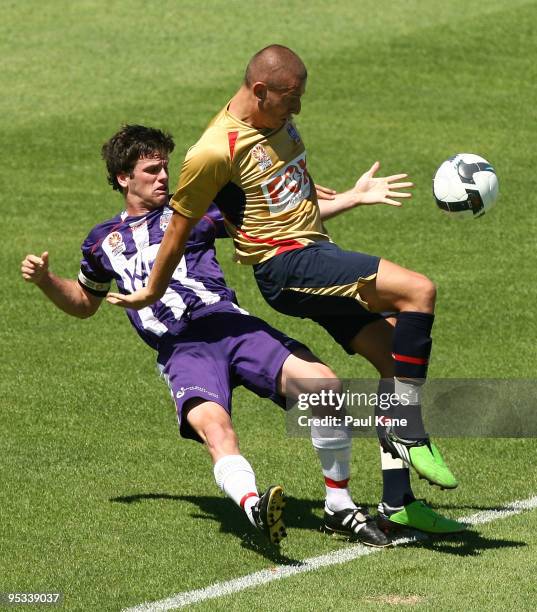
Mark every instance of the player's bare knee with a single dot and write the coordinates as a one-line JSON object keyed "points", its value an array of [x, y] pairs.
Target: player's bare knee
{"points": [[220, 438], [320, 392], [304, 373], [427, 292], [322, 378], [325, 373], [422, 294]]}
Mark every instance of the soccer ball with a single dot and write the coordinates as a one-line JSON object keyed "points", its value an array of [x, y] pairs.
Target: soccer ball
{"points": [[465, 186]]}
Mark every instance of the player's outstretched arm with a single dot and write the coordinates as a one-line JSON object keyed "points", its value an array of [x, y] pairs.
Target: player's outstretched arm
{"points": [[368, 190], [324, 193], [64, 293], [168, 257]]}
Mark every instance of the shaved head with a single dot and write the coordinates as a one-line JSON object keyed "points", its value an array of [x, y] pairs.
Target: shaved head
{"points": [[271, 92], [275, 65]]}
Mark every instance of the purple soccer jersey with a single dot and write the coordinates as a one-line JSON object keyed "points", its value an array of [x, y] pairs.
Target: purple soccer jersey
{"points": [[124, 249], [206, 344]]}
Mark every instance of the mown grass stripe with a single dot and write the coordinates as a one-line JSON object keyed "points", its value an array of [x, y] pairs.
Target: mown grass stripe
{"points": [[337, 557]]}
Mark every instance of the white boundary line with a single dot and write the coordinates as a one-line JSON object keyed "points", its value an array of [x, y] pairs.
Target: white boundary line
{"points": [[336, 557]]}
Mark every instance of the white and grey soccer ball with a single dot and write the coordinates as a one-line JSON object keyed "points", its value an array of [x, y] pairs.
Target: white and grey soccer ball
{"points": [[465, 186]]}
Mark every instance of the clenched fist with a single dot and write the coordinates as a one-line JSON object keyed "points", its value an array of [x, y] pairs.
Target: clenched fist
{"points": [[35, 269]]}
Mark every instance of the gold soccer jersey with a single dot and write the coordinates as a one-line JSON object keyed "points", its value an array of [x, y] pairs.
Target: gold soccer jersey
{"points": [[260, 182]]}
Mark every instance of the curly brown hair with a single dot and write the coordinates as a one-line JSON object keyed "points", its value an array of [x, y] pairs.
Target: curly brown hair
{"points": [[131, 143]]}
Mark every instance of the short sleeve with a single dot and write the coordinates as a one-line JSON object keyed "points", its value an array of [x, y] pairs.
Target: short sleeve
{"points": [[206, 170], [92, 276]]}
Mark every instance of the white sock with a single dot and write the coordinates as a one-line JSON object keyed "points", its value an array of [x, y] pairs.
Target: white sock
{"points": [[335, 456], [235, 476], [338, 499]]}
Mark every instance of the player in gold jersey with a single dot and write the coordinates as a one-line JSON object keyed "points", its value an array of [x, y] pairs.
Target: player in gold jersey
{"points": [[251, 161], [260, 182]]}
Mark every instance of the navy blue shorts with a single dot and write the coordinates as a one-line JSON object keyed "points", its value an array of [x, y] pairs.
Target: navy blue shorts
{"points": [[321, 282]]}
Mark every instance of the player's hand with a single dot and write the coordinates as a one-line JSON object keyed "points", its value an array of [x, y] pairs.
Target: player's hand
{"points": [[137, 300], [34, 269], [323, 193], [381, 190]]}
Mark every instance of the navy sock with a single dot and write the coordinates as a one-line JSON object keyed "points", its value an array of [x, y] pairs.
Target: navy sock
{"points": [[412, 344], [396, 489], [408, 422], [400, 412]]}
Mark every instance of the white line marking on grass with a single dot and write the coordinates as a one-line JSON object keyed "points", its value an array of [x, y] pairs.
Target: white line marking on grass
{"points": [[337, 557], [516, 507]]}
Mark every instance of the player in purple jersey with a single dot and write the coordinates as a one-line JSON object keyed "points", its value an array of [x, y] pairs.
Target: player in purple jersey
{"points": [[206, 345]]}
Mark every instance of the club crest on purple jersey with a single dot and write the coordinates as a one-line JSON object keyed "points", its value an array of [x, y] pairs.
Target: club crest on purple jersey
{"points": [[115, 240]]}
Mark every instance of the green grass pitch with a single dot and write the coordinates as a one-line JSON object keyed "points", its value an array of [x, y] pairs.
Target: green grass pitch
{"points": [[100, 499]]}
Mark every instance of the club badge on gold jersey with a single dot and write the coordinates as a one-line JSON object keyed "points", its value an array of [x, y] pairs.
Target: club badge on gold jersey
{"points": [[259, 153]]}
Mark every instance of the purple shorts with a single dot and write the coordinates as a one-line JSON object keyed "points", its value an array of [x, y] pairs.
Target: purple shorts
{"points": [[219, 352]]}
